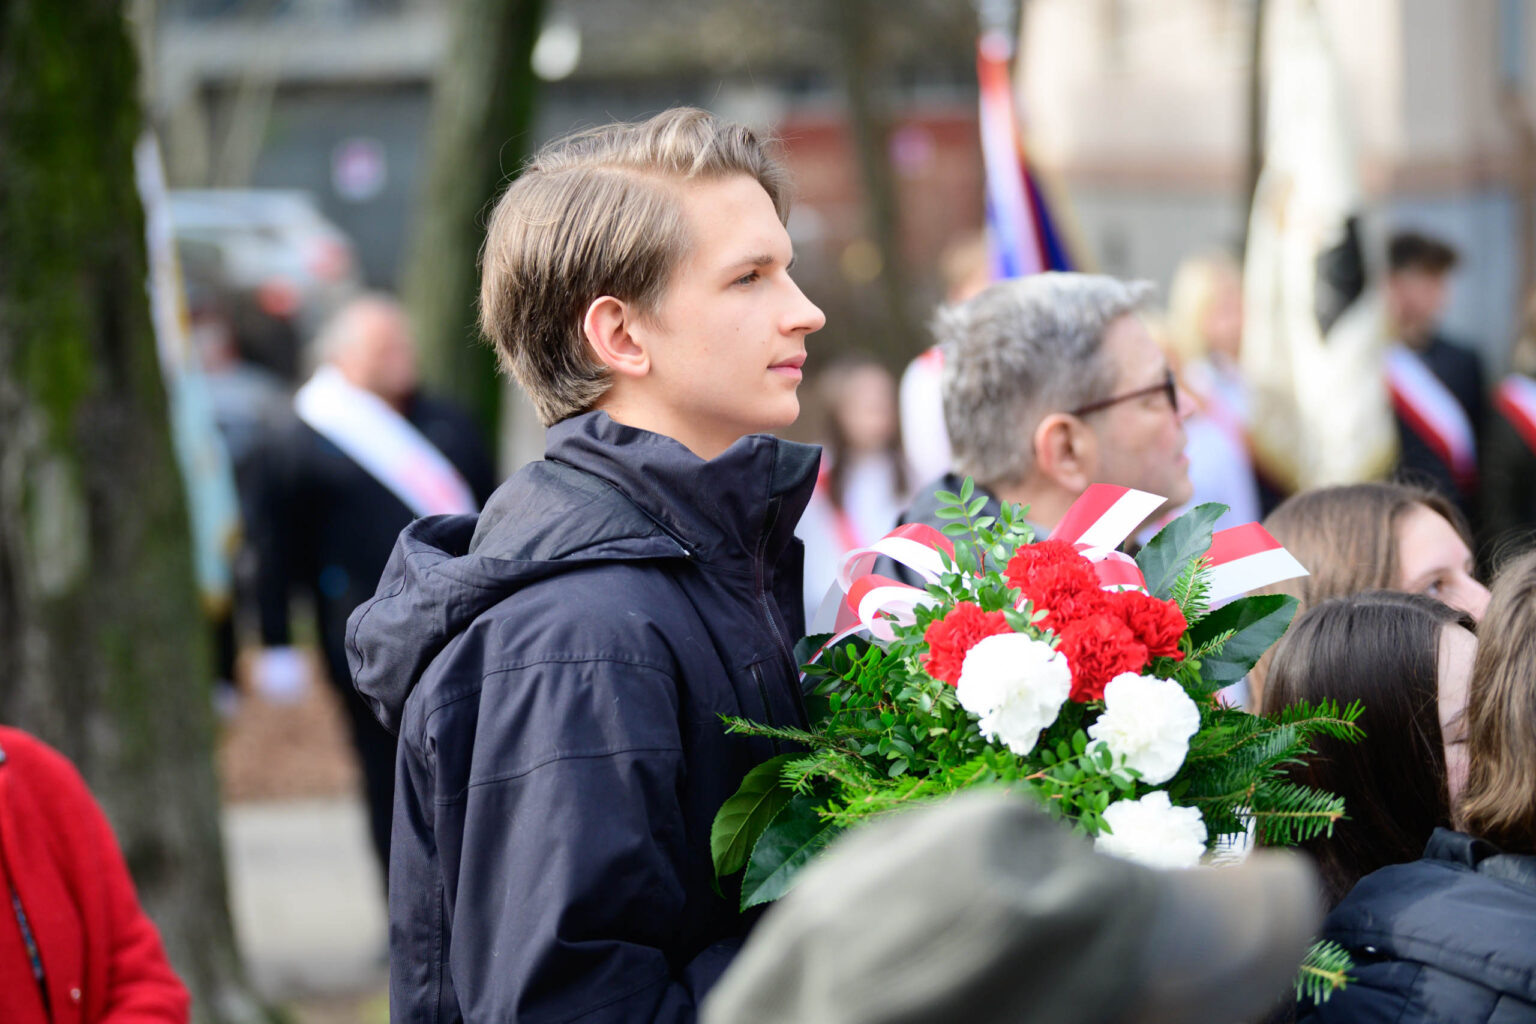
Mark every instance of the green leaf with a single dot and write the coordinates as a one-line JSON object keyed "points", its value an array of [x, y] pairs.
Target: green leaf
{"points": [[1175, 546], [744, 816], [947, 497], [794, 837], [1255, 623], [967, 489], [974, 509], [807, 646]]}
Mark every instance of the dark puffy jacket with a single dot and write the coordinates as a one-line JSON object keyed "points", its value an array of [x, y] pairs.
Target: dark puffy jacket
{"points": [[557, 671], [1448, 938]]}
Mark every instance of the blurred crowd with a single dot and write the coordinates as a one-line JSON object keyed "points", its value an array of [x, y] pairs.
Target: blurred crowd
{"points": [[1034, 389]]}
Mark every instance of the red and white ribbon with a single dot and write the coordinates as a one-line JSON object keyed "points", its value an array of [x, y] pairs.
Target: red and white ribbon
{"points": [[915, 545], [1245, 558], [1515, 398], [1104, 515], [1242, 559], [1432, 412], [1116, 570]]}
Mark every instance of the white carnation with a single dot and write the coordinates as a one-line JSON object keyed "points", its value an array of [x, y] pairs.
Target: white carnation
{"points": [[1015, 685], [1153, 832], [1148, 723]]}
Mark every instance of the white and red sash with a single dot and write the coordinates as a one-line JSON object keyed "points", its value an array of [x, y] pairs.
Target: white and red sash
{"points": [[1515, 398], [1432, 412], [384, 443], [1241, 559]]}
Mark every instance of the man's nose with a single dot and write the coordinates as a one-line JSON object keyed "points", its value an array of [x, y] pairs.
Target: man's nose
{"points": [[805, 317]]}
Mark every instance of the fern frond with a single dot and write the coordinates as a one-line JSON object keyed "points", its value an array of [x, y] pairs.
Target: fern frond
{"points": [[1213, 646], [1324, 971], [1192, 589], [1287, 813]]}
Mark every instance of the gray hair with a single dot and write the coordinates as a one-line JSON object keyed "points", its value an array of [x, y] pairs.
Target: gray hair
{"points": [[343, 327], [1019, 351]]}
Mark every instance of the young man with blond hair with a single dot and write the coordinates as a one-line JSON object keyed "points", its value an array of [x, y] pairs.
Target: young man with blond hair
{"points": [[558, 666]]}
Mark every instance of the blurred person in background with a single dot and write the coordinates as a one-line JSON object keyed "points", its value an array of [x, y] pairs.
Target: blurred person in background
{"points": [[1051, 383], [1376, 536], [966, 269], [1509, 450], [363, 455], [249, 403], [863, 482], [1204, 333], [1451, 936], [981, 909], [1437, 384], [75, 946], [1407, 658]]}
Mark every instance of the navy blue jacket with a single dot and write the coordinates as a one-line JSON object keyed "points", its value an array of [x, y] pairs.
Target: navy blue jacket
{"points": [[557, 669], [1450, 937]]}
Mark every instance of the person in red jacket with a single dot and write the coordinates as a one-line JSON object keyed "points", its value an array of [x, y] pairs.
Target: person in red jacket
{"points": [[75, 946]]}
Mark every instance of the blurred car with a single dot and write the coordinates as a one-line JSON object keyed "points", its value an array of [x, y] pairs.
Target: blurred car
{"points": [[269, 261]]}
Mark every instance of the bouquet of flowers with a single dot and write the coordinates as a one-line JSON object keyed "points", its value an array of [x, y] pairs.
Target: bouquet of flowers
{"points": [[1062, 669]]}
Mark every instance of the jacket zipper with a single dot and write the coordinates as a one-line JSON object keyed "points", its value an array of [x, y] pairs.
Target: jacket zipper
{"points": [[762, 693], [766, 601], [760, 568]]}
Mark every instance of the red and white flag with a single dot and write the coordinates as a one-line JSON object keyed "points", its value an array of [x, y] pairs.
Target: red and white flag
{"points": [[1245, 558]]}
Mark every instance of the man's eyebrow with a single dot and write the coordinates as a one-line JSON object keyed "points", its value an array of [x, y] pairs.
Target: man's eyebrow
{"points": [[762, 259]]}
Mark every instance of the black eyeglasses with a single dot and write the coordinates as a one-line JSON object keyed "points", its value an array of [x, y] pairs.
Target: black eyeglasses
{"points": [[1169, 387]]}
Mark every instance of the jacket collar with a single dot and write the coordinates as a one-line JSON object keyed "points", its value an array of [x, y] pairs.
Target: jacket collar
{"points": [[729, 510], [1480, 856]]}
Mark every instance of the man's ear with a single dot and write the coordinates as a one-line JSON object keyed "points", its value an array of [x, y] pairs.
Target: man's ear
{"points": [[1066, 451], [609, 327]]}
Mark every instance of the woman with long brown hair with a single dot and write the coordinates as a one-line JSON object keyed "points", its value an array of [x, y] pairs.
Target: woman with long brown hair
{"points": [[1377, 536], [1405, 658], [1452, 936]]}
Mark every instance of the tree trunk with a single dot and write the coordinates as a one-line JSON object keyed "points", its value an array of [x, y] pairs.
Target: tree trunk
{"points": [[482, 121], [856, 24], [102, 644]]}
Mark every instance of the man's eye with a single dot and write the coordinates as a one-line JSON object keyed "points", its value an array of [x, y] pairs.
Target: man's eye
{"points": [[748, 278], [1435, 587]]}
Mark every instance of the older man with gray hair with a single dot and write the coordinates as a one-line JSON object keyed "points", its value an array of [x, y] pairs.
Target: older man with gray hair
{"points": [[1052, 383]]}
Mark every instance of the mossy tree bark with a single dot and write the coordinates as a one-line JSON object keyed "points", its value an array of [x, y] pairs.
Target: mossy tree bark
{"points": [[482, 119], [101, 638], [857, 26]]}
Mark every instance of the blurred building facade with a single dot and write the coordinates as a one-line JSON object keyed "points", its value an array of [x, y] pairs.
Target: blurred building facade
{"points": [[334, 97], [1140, 107]]}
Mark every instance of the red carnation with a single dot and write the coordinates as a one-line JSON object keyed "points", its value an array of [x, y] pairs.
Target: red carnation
{"points": [[1031, 558], [1099, 647], [1065, 592], [1056, 579], [1156, 623], [949, 639]]}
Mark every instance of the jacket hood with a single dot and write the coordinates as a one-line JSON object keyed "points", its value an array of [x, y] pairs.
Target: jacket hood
{"points": [[605, 493]]}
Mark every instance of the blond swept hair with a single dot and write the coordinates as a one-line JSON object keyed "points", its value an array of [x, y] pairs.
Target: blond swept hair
{"points": [[1498, 802], [600, 213]]}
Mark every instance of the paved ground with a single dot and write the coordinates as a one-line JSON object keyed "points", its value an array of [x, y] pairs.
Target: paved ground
{"points": [[307, 899], [306, 894]]}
